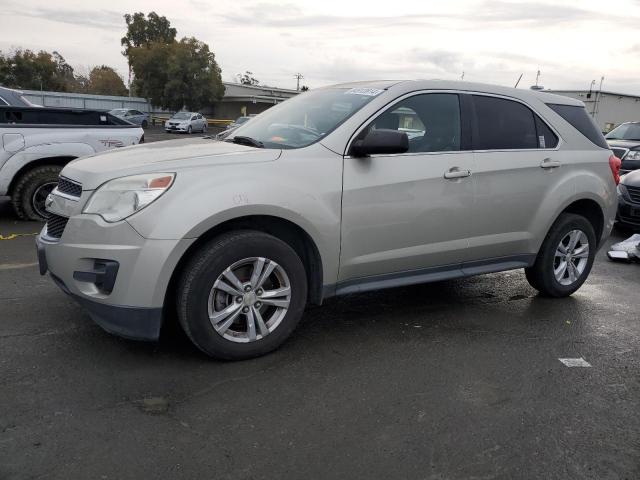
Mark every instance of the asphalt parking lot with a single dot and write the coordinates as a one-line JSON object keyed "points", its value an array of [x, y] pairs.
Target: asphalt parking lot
{"points": [[459, 379]]}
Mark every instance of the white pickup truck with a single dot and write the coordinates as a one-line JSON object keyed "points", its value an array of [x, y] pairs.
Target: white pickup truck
{"points": [[35, 143]]}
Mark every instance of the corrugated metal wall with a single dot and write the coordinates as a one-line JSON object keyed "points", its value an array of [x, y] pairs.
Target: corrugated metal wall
{"points": [[81, 100]]}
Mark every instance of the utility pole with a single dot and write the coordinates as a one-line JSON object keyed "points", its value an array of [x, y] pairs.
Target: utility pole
{"points": [[298, 77], [462, 76]]}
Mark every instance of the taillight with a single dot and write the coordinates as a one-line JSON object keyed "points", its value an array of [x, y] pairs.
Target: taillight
{"points": [[615, 163]]}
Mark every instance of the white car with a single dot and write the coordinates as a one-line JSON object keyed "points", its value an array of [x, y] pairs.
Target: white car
{"points": [[186, 122]]}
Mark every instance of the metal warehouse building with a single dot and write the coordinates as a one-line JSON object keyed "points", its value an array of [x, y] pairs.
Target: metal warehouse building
{"points": [[609, 109], [238, 100]]}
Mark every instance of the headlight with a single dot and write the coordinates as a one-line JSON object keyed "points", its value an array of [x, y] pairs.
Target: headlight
{"points": [[622, 190], [633, 155], [122, 197]]}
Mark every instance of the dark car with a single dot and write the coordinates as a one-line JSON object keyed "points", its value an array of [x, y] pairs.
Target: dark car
{"points": [[624, 141], [629, 200], [14, 98]]}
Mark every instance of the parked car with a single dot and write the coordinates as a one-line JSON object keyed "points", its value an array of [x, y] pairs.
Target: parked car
{"points": [[38, 142], [232, 126], [186, 122], [324, 195], [624, 141], [14, 98], [629, 200], [134, 116]]}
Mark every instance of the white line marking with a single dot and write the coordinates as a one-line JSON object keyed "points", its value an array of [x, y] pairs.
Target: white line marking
{"points": [[13, 266], [575, 362]]}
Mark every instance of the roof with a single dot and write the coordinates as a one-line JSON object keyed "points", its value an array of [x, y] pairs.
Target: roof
{"points": [[604, 92], [406, 86]]}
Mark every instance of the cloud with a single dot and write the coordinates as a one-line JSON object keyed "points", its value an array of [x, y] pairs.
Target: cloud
{"points": [[494, 12], [105, 19]]}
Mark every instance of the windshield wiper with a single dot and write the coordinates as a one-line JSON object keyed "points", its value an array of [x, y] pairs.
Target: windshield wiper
{"points": [[252, 142]]}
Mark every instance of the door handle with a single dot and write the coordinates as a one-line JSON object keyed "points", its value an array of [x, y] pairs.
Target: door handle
{"points": [[548, 163], [455, 172]]}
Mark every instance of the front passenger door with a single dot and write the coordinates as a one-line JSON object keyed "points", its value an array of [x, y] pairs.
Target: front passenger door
{"points": [[399, 212]]}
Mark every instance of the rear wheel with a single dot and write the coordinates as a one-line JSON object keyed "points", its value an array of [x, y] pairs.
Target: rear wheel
{"points": [[241, 295], [145, 124], [31, 191], [565, 258]]}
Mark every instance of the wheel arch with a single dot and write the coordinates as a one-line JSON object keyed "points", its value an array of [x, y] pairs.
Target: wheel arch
{"points": [[60, 161], [286, 230]]}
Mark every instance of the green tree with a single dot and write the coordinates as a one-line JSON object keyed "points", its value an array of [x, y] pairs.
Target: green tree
{"points": [[104, 80], [42, 70], [247, 78], [177, 75], [144, 32], [194, 78]]}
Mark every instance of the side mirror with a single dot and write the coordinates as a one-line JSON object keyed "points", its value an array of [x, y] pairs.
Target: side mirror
{"points": [[382, 142]]}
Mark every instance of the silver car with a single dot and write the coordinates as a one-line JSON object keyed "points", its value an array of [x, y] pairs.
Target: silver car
{"points": [[326, 194], [186, 122], [133, 116]]}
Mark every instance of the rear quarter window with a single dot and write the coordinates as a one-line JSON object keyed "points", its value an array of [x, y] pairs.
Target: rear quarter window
{"points": [[580, 120]]}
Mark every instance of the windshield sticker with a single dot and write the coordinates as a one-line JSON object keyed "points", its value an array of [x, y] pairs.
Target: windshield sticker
{"points": [[370, 92]]}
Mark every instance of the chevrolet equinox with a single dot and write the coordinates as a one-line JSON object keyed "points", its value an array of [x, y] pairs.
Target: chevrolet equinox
{"points": [[338, 190]]}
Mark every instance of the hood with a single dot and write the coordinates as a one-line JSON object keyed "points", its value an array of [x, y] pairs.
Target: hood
{"points": [[632, 179], [167, 156], [624, 143]]}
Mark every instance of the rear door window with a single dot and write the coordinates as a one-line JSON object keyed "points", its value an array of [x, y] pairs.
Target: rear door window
{"points": [[578, 117], [503, 125]]}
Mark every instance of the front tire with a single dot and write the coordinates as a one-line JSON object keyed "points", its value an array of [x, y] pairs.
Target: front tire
{"points": [[565, 258], [31, 191], [189, 130], [241, 295]]}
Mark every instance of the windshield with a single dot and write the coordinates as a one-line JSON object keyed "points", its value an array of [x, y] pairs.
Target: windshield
{"points": [[241, 120], [626, 131], [118, 112], [182, 116], [305, 118]]}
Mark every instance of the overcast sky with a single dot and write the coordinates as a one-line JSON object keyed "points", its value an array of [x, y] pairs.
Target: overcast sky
{"points": [[330, 41]]}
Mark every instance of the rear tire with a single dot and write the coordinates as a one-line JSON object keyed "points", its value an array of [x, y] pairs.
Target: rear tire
{"points": [[560, 268], [31, 189], [145, 124], [205, 293]]}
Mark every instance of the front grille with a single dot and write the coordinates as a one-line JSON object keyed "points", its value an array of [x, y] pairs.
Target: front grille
{"points": [[619, 152], [634, 194], [56, 225], [69, 187]]}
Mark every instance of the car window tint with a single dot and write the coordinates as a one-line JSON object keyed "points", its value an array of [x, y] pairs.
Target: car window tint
{"points": [[578, 117], [3, 101], [431, 121], [546, 137], [503, 124]]}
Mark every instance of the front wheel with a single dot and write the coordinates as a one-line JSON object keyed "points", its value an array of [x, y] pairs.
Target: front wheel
{"points": [[565, 258], [241, 295], [189, 130], [31, 191]]}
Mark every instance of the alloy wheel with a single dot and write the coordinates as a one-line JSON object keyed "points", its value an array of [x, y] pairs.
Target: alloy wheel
{"points": [[571, 257], [40, 196], [249, 299]]}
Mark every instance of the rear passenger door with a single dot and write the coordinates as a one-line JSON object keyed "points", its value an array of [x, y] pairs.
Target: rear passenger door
{"points": [[516, 165]]}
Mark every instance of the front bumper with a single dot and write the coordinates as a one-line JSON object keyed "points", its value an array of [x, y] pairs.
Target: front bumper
{"points": [[120, 277], [628, 213]]}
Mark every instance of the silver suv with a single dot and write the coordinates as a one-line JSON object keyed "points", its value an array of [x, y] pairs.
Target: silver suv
{"points": [[341, 189]]}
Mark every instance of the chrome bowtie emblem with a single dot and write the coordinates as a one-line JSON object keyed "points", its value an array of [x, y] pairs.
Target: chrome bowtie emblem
{"points": [[49, 201]]}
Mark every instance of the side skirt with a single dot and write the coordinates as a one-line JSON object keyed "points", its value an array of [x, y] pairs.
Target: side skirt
{"points": [[427, 275]]}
